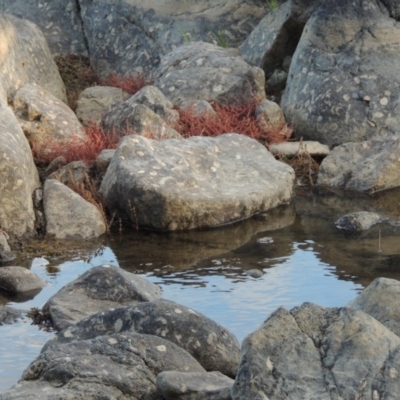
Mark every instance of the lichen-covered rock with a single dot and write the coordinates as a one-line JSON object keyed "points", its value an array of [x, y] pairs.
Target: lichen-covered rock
{"points": [[45, 118], [68, 215], [343, 80], [135, 33], [175, 385], [59, 20], [19, 280], [194, 183], [316, 353], [25, 58], [209, 343], [369, 166], [359, 221], [98, 289], [203, 71], [18, 177], [120, 366], [93, 101]]}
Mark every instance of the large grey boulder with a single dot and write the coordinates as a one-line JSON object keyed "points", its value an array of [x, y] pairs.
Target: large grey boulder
{"points": [[44, 118], [59, 20], [194, 183], [316, 353], [98, 289], [343, 80], [19, 280], [204, 71], [18, 177], [380, 300], [25, 58], [369, 166], [120, 366], [68, 215], [126, 37], [209, 343], [174, 385]]}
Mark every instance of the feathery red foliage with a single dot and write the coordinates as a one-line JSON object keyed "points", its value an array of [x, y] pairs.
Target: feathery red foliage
{"points": [[229, 119], [129, 84], [76, 148]]}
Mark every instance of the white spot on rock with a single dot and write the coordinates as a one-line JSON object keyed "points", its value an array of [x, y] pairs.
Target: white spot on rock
{"points": [[178, 311], [112, 341], [384, 101], [161, 348]]}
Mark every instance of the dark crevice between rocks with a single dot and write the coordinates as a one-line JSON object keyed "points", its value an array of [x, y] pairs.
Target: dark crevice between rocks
{"points": [[79, 13], [393, 7]]}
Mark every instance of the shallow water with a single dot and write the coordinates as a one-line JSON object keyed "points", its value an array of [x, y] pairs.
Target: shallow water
{"points": [[302, 254]]}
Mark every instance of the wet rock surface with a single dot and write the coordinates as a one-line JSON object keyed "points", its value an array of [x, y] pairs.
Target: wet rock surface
{"points": [[359, 221], [9, 315], [19, 279], [98, 289]]}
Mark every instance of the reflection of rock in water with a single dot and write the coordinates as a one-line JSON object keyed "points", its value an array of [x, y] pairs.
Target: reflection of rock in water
{"points": [[185, 249]]}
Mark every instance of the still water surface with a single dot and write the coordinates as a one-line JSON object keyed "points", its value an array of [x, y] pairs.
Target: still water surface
{"points": [[303, 255]]}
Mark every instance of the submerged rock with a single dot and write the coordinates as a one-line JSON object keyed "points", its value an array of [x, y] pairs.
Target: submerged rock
{"points": [[359, 221], [194, 183], [98, 289]]}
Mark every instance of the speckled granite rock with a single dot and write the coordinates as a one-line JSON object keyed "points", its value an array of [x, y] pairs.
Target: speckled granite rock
{"points": [[203, 71], [25, 58], [343, 83], [209, 343], [98, 289], [120, 366], [194, 183]]}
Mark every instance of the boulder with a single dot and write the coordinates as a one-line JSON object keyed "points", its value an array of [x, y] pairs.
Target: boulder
{"points": [[68, 215], [63, 35], [343, 80], [120, 366], [75, 172], [18, 177], [270, 118], [9, 315], [133, 118], [198, 109], [380, 300], [204, 71], [44, 118], [290, 149], [133, 35], [359, 221], [174, 385], [316, 353], [194, 183], [103, 160], [209, 343], [6, 254], [19, 280], [369, 166], [93, 101], [98, 289], [25, 58]]}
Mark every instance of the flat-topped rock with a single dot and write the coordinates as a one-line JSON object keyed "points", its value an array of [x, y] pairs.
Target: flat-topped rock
{"points": [[19, 279], [194, 183]]}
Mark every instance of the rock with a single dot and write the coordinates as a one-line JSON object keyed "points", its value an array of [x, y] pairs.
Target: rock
{"points": [[317, 353], [270, 118], [194, 183], [359, 221], [175, 385], [369, 166], [74, 172], [120, 366], [339, 90], [136, 119], [18, 177], [9, 315], [254, 273], [68, 215], [103, 160], [379, 300], [25, 58], [93, 101], [209, 343], [276, 36], [135, 33], [290, 149], [98, 289], [19, 279], [198, 108], [44, 118], [63, 35], [55, 165], [6, 254], [203, 71]]}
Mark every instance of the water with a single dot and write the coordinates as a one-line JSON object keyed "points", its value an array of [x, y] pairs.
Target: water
{"points": [[301, 253]]}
